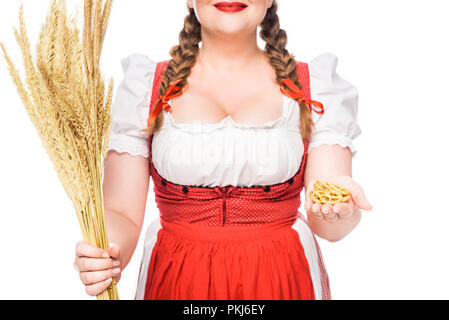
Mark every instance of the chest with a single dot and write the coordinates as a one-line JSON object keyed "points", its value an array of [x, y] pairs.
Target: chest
{"points": [[249, 99], [229, 153], [249, 133]]}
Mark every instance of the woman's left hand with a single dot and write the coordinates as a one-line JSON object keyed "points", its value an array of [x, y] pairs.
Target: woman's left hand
{"points": [[334, 212]]}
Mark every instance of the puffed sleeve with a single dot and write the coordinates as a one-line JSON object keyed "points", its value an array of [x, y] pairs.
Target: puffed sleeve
{"points": [[338, 124], [130, 109]]}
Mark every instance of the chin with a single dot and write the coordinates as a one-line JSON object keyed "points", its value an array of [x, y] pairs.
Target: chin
{"points": [[230, 31], [230, 27]]}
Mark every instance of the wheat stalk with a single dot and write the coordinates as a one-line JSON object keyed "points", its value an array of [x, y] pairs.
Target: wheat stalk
{"points": [[64, 95]]}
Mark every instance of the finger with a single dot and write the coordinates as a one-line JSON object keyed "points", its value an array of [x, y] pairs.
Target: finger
{"points": [[344, 210], [85, 249], [97, 288], [114, 250], [359, 198], [117, 278], [92, 277], [89, 264], [316, 210], [309, 201], [328, 213]]}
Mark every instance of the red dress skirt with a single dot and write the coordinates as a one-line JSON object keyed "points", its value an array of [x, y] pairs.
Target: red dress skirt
{"points": [[257, 262], [230, 243]]}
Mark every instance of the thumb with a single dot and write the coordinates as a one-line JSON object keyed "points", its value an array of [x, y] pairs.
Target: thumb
{"points": [[359, 198], [308, 202], [114, 250]]}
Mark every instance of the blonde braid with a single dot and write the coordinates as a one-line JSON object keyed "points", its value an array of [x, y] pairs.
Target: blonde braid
{"points": [[283, 62], [183, 59]]}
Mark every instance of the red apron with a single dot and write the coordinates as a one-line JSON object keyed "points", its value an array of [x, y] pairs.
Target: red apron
{"points": [[230, 243]]}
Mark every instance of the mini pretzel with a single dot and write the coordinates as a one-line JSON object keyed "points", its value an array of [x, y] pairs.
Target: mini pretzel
{"points": [[328, 193]]}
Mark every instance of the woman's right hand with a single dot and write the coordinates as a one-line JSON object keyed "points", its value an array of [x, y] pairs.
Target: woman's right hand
{"points": [[97, 267]]}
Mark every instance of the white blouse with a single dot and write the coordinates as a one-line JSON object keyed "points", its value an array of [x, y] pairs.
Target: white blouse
{"points": [[228, 152]]}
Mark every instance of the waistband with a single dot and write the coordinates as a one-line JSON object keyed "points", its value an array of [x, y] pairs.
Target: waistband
{"points": [[224, 233]]}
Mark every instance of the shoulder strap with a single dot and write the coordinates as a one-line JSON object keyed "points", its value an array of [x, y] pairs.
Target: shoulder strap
{"points": [[160, 68], [301, 67]]}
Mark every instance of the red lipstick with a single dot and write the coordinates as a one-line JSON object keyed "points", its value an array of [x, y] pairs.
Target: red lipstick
{"points": [[230, 6]]}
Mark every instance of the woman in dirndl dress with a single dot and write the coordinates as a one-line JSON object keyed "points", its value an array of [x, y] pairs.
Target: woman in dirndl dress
{"points": [[230, 135]]}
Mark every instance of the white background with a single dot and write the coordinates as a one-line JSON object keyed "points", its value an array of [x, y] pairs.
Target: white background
{"points": [[395, 52]]}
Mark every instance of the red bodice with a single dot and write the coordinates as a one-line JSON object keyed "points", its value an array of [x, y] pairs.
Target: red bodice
{"points": [[229, 205]]}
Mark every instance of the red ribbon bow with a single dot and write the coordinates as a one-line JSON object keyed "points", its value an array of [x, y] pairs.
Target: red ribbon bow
{"points": [[170, 93], [297, 94]]}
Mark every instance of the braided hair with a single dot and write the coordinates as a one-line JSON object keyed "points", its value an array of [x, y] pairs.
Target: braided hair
{"points": [[185, 53]]}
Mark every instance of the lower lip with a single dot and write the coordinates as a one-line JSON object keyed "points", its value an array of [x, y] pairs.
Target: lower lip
{"points": [[230, 8]]}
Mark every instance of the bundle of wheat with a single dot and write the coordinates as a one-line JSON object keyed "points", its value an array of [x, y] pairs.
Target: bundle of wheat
{"points": [[65, 98]]}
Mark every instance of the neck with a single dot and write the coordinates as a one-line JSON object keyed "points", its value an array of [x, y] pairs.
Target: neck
{"points": [[229, 53]]}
